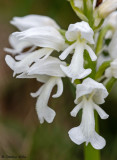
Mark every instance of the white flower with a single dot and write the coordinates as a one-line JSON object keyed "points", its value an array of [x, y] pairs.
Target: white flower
{"points": [[47, 37], [29, 21], [49, 72], [112, 70], [44, 112], [107, 7], [88, 95], [80, 34]]}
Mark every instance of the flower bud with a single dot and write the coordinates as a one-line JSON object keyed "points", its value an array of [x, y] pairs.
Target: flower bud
{"points": [[107, 7]]}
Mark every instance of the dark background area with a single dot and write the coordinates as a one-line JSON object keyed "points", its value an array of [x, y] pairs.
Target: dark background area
{"points": [[20, 131]]}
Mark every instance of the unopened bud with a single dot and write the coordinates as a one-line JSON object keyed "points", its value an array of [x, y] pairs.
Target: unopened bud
{"points": [[107, 7]]}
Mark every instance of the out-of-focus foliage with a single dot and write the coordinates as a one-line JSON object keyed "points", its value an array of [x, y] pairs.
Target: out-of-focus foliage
{"points": [[20, 131]]}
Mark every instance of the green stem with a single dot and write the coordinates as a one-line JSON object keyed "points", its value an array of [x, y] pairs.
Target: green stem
{"points": [[101, 38], [89, 152]]}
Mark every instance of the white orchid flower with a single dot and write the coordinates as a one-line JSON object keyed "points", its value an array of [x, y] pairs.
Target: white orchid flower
{"points": [[80, 34], [47, 37], [88, 95], [49, 72], [43, 111], [112, 70], [29, 21]]}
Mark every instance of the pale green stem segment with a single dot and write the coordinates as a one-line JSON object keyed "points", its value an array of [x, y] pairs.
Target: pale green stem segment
{"points": [[102, 69], [101, 38]]}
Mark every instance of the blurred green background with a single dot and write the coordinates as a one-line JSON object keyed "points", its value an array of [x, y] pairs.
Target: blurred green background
{"points": [[20, 131]]}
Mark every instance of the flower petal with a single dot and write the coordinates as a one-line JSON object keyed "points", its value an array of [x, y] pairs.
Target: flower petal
{"points": [[76, 109], [76, 70], [18, 45], [67, 51], [23, 65], [59, 88], [43, 37], [38, 92], [97, 141], [91, 52], [46, 113], [50, 66], [26, 22], [101, 112], [76, 135], [10, 61]]}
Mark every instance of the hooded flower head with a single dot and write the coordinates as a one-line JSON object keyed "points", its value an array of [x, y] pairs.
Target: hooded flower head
{"points": [[88, 95], [80, 34]]}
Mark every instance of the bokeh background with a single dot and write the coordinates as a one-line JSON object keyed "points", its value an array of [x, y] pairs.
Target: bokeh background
{"points": [[20, 131]]}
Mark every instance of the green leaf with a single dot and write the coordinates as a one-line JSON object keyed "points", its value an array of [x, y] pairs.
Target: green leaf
{"points": [[101, 38], [79, 13], [101, 69], [110, 84]]}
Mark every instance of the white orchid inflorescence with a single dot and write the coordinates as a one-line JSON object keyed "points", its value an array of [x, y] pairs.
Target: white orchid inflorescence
{"points": [[88, 70]]}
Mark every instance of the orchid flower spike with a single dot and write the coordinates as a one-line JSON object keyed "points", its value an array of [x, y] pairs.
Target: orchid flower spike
{"points": [[88, 95], [49, 72], [80, 34], [29, 21], [46, 37]]}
